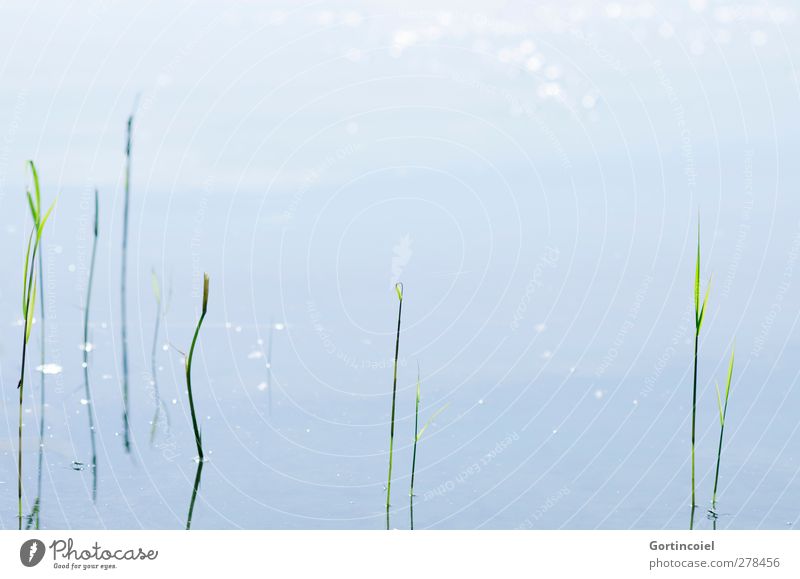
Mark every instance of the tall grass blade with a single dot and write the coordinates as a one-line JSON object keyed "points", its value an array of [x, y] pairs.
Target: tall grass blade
{"points": [[418, 432], [399, 289], [28, 305], [414, 454], [198, 441], [189, 358], [723, 413], [699, 312]]}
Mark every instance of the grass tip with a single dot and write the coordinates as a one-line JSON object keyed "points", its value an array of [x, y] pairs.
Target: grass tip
{"points": [[205, 293]]}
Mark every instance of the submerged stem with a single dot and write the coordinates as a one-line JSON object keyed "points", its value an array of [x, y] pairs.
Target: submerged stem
{"points": [[123, 288], [29, 301], [34, 517], [87, 308]]}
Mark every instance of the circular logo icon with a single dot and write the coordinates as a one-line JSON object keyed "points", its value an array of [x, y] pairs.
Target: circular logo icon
{"points": [[32, 552]]}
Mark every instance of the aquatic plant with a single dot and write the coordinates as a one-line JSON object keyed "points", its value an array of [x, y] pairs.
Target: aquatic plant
{"points": [[195, 488], [398, 287], [723, 413], [198, 441], [699, 312], [417, 436], [123, 289], [29, 303], [33, 518], [86, 348]]}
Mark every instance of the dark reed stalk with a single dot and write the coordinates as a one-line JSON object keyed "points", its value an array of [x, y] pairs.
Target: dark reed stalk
{"points": [[86, 310], [29, 305], [123, 289], [699, 312], [417, 437], [195, 489], [198, 441], [398, 287], [414, 455], [723, 413]]}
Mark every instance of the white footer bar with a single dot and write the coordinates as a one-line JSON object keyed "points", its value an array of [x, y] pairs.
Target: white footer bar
{"points": [[382, 554]]}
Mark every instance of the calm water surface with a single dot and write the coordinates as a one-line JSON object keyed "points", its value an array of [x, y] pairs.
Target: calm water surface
{"points": [[533, 177]]}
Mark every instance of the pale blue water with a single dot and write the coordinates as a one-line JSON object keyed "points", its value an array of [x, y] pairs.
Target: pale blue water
{"points": [[532, 175]]}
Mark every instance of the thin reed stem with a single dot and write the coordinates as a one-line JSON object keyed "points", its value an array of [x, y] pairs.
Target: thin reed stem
{"points": [[699, 312], [723, 413], [416, 438], [195, 489], [33, 519], [29, 305], [418, 432], [124, 289], [86, 311], [399, 290], [197, 439], [414, 454], [694, 415]]}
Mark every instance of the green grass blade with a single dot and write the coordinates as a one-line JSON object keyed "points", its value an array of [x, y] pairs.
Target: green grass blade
{"points": [[25, 278], [197, 435], [728, 385], [697, 281], [398, 287], [205, 293], [703, 309], [45, 218], [724, 412], [36, 188], [31, 310], [431, 419], [34, 212]]}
